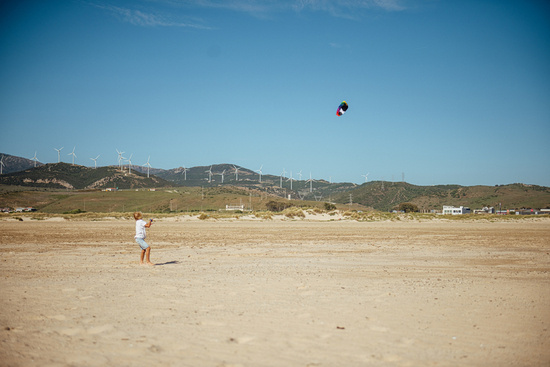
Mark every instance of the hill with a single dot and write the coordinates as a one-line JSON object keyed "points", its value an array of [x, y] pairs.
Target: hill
{"points": [[379, 195], [67, 176], [385, 196], [225, 174], [15, 164], [167, 200]]}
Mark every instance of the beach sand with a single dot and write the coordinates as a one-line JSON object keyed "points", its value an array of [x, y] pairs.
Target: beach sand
{"points": [[275, 293]]}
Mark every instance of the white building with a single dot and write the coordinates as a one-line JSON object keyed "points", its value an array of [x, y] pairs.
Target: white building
{"points": [[447, 209]]}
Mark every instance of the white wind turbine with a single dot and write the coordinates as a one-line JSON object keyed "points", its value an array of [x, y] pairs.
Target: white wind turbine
{"points": [[121, 162], [221, 174], [58, 154], [95, 161], [72, 153], [300, 175], [291, 179], [236, 173], [130, 163], [184, 171], [281, 179], [366, 176], [310, 183], [148, 165], [120, 158], [34, 159], [209, 174], [260, 172], [2, 164]]}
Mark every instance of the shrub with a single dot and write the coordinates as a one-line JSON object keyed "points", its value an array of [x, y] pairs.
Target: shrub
{"points": [[203, 216], [75, 211], [277, 206], [408, 207], [330, 206], [294, 212]]}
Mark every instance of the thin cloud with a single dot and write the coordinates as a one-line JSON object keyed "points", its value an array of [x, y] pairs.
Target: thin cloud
{"points": [[265, 7], [145, 18], [347, 8]]}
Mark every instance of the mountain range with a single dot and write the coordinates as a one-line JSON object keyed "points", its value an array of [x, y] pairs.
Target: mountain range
{"points": [[380, 195]]}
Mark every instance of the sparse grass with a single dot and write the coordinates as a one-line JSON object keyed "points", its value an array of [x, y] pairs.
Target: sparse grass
{"points": [[267, 215], [293, 212]]}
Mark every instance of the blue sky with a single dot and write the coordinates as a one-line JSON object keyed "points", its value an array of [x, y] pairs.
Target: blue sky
{"points": [[442, 92]]}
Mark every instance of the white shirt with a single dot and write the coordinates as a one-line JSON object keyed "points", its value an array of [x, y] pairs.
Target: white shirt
{"points": [[140, 228]]}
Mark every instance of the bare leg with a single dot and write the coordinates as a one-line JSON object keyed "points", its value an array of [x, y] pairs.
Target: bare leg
{"points": [[148, 254], [141, 257]]}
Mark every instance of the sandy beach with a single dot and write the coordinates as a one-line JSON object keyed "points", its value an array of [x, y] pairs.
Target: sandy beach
{"points": [[275, 293]]}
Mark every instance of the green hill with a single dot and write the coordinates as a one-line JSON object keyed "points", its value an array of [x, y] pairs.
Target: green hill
{"points": [[67, 176], [167, 200], [386, 196]]}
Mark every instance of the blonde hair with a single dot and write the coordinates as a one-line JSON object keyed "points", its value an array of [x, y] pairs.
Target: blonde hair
{"points": [[138, 215]]}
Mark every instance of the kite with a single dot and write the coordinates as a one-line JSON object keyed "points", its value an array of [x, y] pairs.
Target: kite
{"points": [[342, 109]]}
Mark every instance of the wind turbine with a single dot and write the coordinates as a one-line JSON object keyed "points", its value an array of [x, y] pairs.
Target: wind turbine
{"points": [[281, 179], [72, 153], [130, 163], [300, 175], [184, 171], [236, 173], [1, 164], [34, 159], [148, 165], [260, 172], [120, 158], [221, 174], [95, 161], [291, 179], [121, 162], [366, 176], [209, 174], [58, 156], [310, 183]]}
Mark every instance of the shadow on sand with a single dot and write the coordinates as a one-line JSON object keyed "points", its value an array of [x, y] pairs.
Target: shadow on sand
{"points": [[169, 263]]}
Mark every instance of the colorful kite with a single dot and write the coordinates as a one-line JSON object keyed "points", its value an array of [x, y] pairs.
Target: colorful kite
{"points": [[342, 109]]}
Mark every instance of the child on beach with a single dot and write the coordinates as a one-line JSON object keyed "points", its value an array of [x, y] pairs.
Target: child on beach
{"points": [[140, 237]]}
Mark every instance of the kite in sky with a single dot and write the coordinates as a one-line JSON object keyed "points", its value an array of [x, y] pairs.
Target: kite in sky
{"points": [[342, 109]]}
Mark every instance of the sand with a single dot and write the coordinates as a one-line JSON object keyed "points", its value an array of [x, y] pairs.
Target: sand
{"points": [[275, 293]]}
